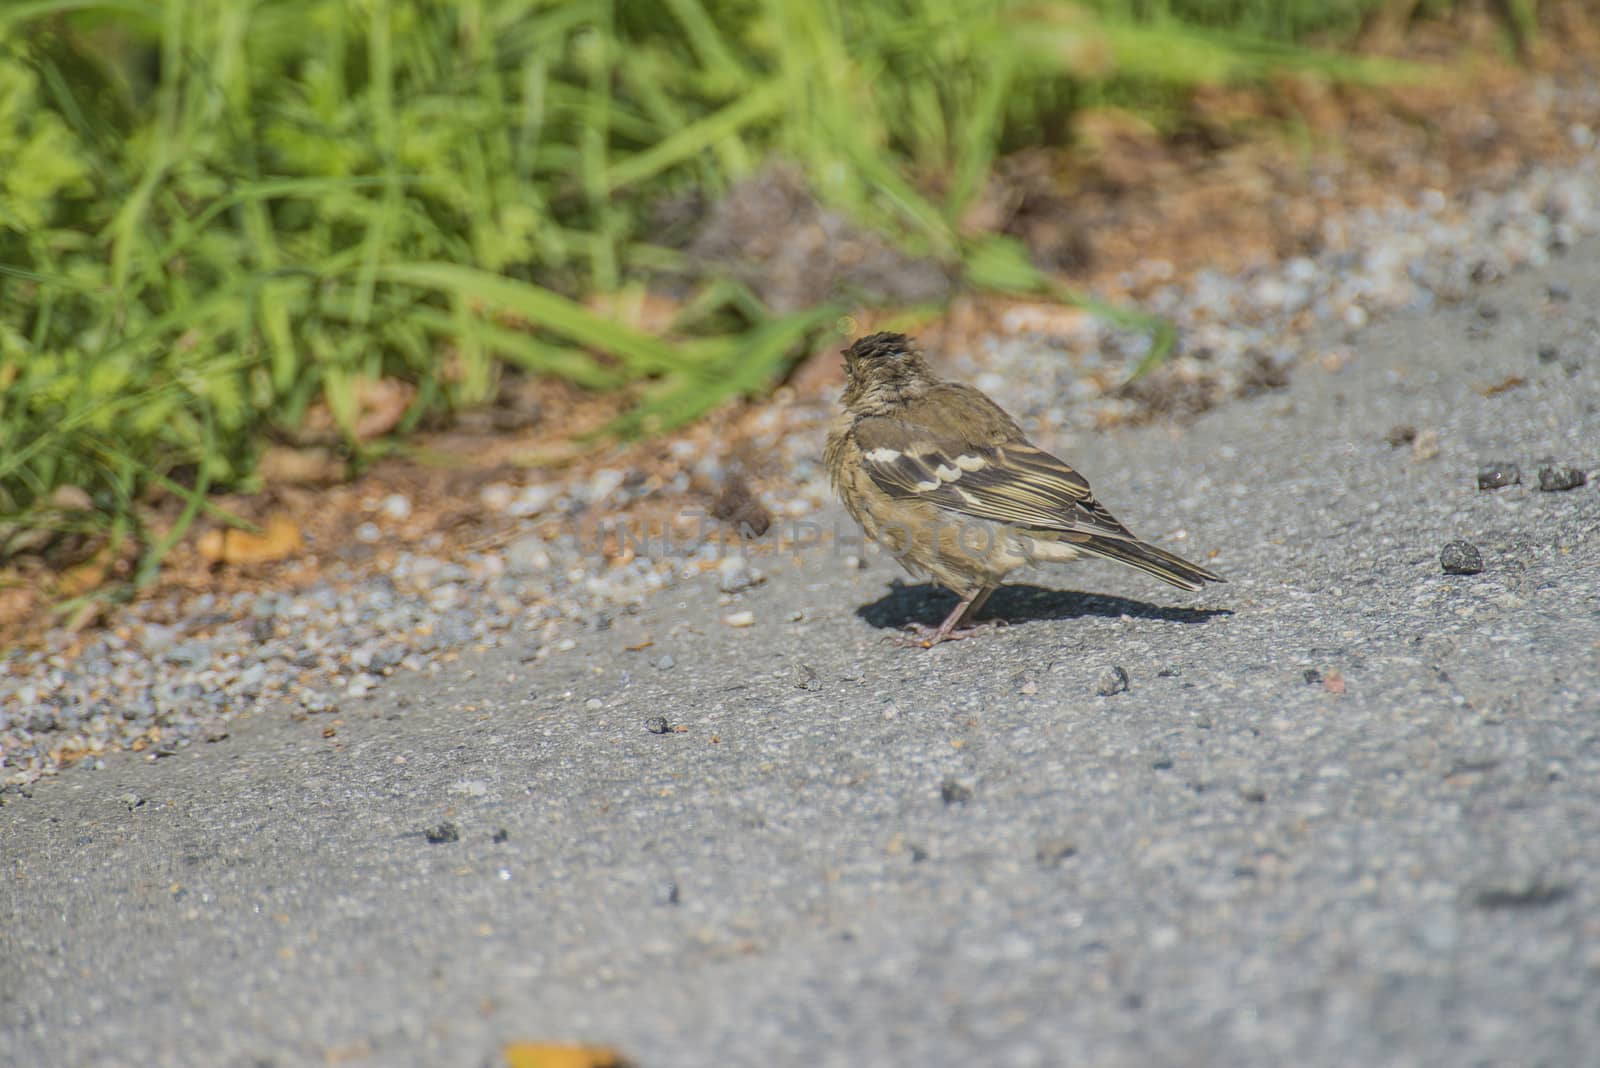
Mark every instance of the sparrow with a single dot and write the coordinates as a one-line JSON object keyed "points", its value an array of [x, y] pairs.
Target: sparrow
{"points": [[942, 477]]}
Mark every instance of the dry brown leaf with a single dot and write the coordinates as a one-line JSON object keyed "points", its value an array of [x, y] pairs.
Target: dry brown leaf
{"points": [[17, 603], [383, 404], [549, 1055], [278, 541], [82, 578], [1505, 385]]}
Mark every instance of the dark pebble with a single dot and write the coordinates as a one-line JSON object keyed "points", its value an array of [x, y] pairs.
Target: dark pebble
{"points": [[1553, 478], [1461, 558], [1557, 293], [1534, 896], [1113, 680], [658, 725], [445, 832], [501, 836], [1403, 434], [1483, 271], [1312, 676], [1488, 312], [1549, 354], [1494, 476], [952, 792]]}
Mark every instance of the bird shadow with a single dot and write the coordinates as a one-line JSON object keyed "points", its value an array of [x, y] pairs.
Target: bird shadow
{"points": [[926, 603]]}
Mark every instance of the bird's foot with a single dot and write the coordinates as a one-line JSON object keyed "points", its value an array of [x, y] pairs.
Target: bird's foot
{"points": [[926, 636]]}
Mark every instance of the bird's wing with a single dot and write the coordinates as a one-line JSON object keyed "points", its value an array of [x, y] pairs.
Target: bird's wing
{"points": [[940, 455]]}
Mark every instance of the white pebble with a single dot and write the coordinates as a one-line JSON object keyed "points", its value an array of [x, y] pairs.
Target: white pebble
{"points": [[734, 574], [740, 619], [532, 500], [605, 482], [497, 496]]}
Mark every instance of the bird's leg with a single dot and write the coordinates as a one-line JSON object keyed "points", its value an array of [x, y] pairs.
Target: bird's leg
{"points": [[956, 625], [975, 606]]}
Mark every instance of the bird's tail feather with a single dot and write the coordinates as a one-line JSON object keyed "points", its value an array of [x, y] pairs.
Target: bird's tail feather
{"points": [[1166, 566]]}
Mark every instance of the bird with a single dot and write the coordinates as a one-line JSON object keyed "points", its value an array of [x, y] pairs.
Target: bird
{"points": [[940, 475]]}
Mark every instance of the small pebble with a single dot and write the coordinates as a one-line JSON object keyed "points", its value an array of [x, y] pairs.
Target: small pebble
{"points": [[1460, 558], [605, 482], [740, 619], [1402, 434], [658, 725], [1493, 476], [665, 662], [527, 556], [952, 792], [1426, 447], [1554, 478], [1113, 680], [1050, 852], [497, 496], [445, 832], [316, 701], [532, 501], [396, 506], [735, 575]]}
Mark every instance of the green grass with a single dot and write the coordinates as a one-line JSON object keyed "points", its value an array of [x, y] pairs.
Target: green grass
{"points": [[218, 213]]}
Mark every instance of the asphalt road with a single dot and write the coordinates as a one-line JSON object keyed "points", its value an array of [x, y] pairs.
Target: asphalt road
{"points": [[1347, 811]]}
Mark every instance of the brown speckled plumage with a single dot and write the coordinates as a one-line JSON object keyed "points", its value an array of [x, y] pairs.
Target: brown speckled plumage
{"points": [[945, 480]]}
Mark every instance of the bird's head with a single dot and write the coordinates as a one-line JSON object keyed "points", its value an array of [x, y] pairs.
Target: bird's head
{"points": [[884, 370]]}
